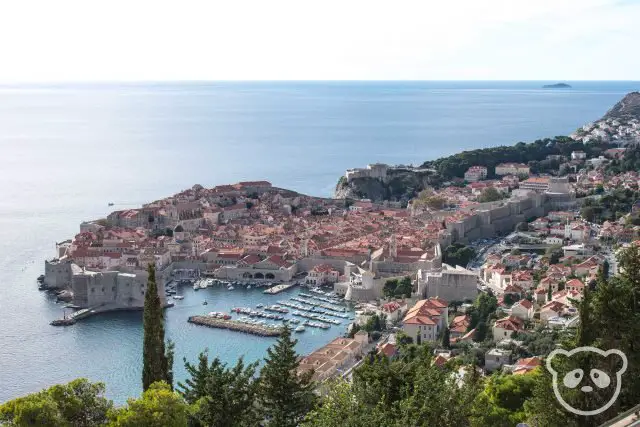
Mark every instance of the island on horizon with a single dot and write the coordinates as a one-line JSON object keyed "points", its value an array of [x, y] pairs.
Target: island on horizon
{"points": [[557, 86]]}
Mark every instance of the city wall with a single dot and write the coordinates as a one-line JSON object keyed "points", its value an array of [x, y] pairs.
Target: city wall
{"points": [[489, 220]]}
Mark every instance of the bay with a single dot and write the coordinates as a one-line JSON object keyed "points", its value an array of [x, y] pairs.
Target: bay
{"points": [[69, 149]]}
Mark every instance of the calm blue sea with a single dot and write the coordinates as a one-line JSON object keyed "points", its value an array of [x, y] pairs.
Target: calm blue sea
{"points": [[68, 150]]}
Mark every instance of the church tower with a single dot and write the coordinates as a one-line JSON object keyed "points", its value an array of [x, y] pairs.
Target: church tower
{"points": [[393, 247]]}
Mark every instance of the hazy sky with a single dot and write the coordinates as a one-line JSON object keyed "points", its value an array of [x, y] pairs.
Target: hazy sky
{"points": [[66, 40]]}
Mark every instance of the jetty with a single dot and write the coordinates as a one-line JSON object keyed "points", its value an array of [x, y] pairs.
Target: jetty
{"points": [[279, 288], [234, 325]]}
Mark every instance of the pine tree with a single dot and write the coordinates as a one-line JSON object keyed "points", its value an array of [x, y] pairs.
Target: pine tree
{"points": [[549, 294], [285, 396], [221, 396], [157, 363]]}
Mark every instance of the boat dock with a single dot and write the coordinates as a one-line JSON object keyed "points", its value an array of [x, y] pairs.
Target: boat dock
{"points": [[234, 325], [279, 288]]}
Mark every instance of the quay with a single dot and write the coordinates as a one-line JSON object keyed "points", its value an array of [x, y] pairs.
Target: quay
{"points": [[234, 325], [279, 288]]}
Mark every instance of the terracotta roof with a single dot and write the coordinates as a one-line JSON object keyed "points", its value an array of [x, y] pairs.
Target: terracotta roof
{"points": [[510, 323], [440, 360], [426, 312], [525, 303], [575, 283], [388, 349]]}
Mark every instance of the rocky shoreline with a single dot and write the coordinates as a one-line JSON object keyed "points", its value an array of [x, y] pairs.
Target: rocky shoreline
{"points": [[234, 325]]}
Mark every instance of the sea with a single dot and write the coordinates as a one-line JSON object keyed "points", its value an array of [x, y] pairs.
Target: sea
{"points": [[67, 150]]}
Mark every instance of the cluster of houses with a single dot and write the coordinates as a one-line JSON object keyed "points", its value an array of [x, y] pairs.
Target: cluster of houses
{"points": [[609, 130]]}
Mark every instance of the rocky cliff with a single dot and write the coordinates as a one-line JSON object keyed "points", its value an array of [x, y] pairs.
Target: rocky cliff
{"points": [[399, 185], [627, 108]]}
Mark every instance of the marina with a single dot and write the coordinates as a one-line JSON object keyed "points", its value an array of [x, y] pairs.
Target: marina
{"points": [[319, 310]]}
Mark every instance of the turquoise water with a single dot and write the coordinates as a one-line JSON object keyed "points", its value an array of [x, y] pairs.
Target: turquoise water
{"points": [[68, 150]]}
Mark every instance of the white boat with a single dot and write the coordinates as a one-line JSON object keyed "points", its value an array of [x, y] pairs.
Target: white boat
{"points": [[195, 287], [259, 305], [300, 328], [230, 287], [249, 287], [178, 297]]}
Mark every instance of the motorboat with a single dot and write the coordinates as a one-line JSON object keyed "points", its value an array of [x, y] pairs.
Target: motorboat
{"points": [[230, 287], [178, 297], [259, 305], [300, 328], [204, 303]]}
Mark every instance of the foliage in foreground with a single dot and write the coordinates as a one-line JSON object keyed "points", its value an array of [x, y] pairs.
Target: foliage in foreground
{"points": [[157, 362]]}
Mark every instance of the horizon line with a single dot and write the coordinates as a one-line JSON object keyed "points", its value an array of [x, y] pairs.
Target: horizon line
{"points": [[155, 81]]}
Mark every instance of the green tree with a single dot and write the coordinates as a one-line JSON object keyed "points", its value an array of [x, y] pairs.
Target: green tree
{"points": [[458, 254], [554, 253], [490, 194], [549, 293], [157, 362], [445, 338], [221, 396], [285, 396], [159, 406], [481, 331], [605, 268], [389, 288], [404, 288], [501, 403], [437, 399], [339, 408], [76, 404]]}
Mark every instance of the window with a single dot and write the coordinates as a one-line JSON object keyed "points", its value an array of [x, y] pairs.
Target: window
{"points": [[93, 289], [505, 333], [113, 288], [103, 289]]}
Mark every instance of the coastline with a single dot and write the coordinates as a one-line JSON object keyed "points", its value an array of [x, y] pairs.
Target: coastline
{"points": [[86, 202]]}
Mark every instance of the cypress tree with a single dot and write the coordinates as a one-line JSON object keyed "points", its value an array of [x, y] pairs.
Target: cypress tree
{"points": [[157, 362], [549, 294], [285, 396], [446, 338]]}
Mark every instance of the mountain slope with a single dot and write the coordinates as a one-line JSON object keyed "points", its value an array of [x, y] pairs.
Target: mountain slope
{"points": [[627, 108]]}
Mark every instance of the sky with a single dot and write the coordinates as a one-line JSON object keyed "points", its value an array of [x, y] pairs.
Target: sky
{"points": [[140, 40]]}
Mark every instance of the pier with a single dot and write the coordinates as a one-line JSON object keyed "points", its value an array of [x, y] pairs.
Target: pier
{"points": [[279, 288], [234, 325]]}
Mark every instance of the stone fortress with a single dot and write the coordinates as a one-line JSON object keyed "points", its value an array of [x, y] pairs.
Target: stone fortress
{"points": [[380, 171]]}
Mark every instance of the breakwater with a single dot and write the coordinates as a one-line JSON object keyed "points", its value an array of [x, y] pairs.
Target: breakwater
{"points": [[279, 288], [234, 325]]}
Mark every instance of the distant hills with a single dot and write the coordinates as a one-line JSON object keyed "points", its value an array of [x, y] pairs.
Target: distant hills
{"points": [[626, 109], [557, 86]]}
